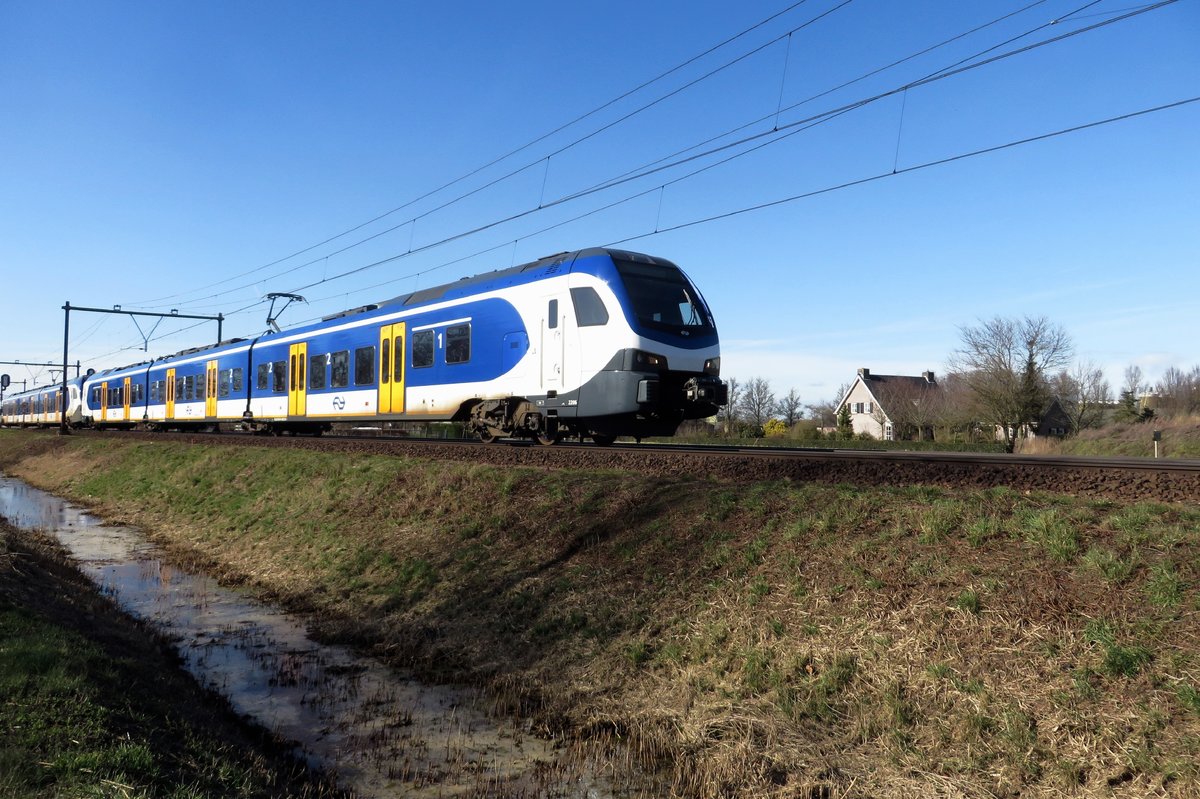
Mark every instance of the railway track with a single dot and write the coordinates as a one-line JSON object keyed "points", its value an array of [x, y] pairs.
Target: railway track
{"points": [[1126, 479]]}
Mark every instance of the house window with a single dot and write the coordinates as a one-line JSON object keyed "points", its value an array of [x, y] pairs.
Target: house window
{"points": [[858, 407], [870, 407], [888, 433]]}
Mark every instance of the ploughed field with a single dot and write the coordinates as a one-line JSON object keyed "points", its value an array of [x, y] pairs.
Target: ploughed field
{"points": [[746, 626]]}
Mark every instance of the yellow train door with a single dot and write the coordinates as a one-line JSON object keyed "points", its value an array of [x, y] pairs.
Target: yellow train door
{"points": [[297, 375], [104, 402], [391, 368], [170, 393], [210, 389], [125, 397]]}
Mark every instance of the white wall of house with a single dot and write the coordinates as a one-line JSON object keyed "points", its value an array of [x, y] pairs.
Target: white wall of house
{"points": [[865, 414]]}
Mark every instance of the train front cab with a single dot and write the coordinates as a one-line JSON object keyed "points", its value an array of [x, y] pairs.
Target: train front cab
{"points": [[672, 371]]}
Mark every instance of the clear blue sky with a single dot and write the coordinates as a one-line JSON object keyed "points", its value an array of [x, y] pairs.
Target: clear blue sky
{"points": [[158, 155]]}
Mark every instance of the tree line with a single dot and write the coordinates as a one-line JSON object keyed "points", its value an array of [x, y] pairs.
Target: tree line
{"points": [[1003, 378]]}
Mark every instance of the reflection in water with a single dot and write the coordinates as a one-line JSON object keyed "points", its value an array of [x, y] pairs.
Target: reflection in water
{"points": [[380, 732]]}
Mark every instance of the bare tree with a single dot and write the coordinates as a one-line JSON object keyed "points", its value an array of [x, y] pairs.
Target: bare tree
{"points": [[1179, 392], [1133, 389], [1006, 362], [955, 412], [913, 408], [757, 402], [729, 413], [789, 409], [1083, 393], [825, 413]]}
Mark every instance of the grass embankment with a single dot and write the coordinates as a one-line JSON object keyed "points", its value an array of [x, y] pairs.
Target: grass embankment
{"points": [[1180, 439], [759, 640], [92, 705]]}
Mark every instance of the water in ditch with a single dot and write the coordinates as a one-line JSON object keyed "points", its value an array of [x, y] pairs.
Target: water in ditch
{"points": [[379, 732]]}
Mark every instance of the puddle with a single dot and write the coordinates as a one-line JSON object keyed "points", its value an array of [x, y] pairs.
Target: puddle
{"points": [[379, 732]]}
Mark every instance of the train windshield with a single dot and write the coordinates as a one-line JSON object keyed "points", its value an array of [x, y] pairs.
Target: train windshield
{"points": [[662, 297]]}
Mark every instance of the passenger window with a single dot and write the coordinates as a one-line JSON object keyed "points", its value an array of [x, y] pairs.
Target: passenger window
{"points": [[364, 366], [237, 380], [589, 308], [422, 346], [226, 374], [189, 388], [279, 377], [458, 344], [264, 377], [316, 370], [552, 315], [339, 369]]}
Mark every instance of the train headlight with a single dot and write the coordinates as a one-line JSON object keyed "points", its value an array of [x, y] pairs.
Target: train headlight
{"points": [[713, 366], [647, 361]]}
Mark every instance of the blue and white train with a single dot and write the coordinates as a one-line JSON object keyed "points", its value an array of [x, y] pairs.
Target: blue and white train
{"points": [[596, 343], [42, 406]]}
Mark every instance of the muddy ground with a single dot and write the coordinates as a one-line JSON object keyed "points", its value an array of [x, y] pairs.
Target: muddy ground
{"points": [[143, 693]]}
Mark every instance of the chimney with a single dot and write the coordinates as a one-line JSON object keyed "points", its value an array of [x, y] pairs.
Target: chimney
{"points": [[864, 373], [928, 377]]}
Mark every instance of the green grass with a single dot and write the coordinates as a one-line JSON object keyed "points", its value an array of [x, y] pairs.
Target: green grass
{"points": [[919, 630], [70, 726]]}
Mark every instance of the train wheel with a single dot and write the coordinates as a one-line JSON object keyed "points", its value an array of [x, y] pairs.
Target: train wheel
{"points": [[486, 435], [545, 439], [603, 439]]}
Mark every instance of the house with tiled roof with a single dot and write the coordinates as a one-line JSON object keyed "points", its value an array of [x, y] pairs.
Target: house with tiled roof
{"points": [[892, 407]]}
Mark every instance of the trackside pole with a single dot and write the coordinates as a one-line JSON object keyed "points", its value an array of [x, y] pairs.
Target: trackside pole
{"points": [[64, 427]]}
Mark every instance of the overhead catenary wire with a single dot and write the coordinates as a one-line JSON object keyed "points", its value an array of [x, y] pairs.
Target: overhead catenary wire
{"points": [[790, 129], [773, 135], [496, 181], [783, 132], [824, 190], [511, 153], [914, 168]]}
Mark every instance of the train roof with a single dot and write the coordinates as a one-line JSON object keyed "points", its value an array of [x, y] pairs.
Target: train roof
{"points": [[30, 392], [500, 278]]}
